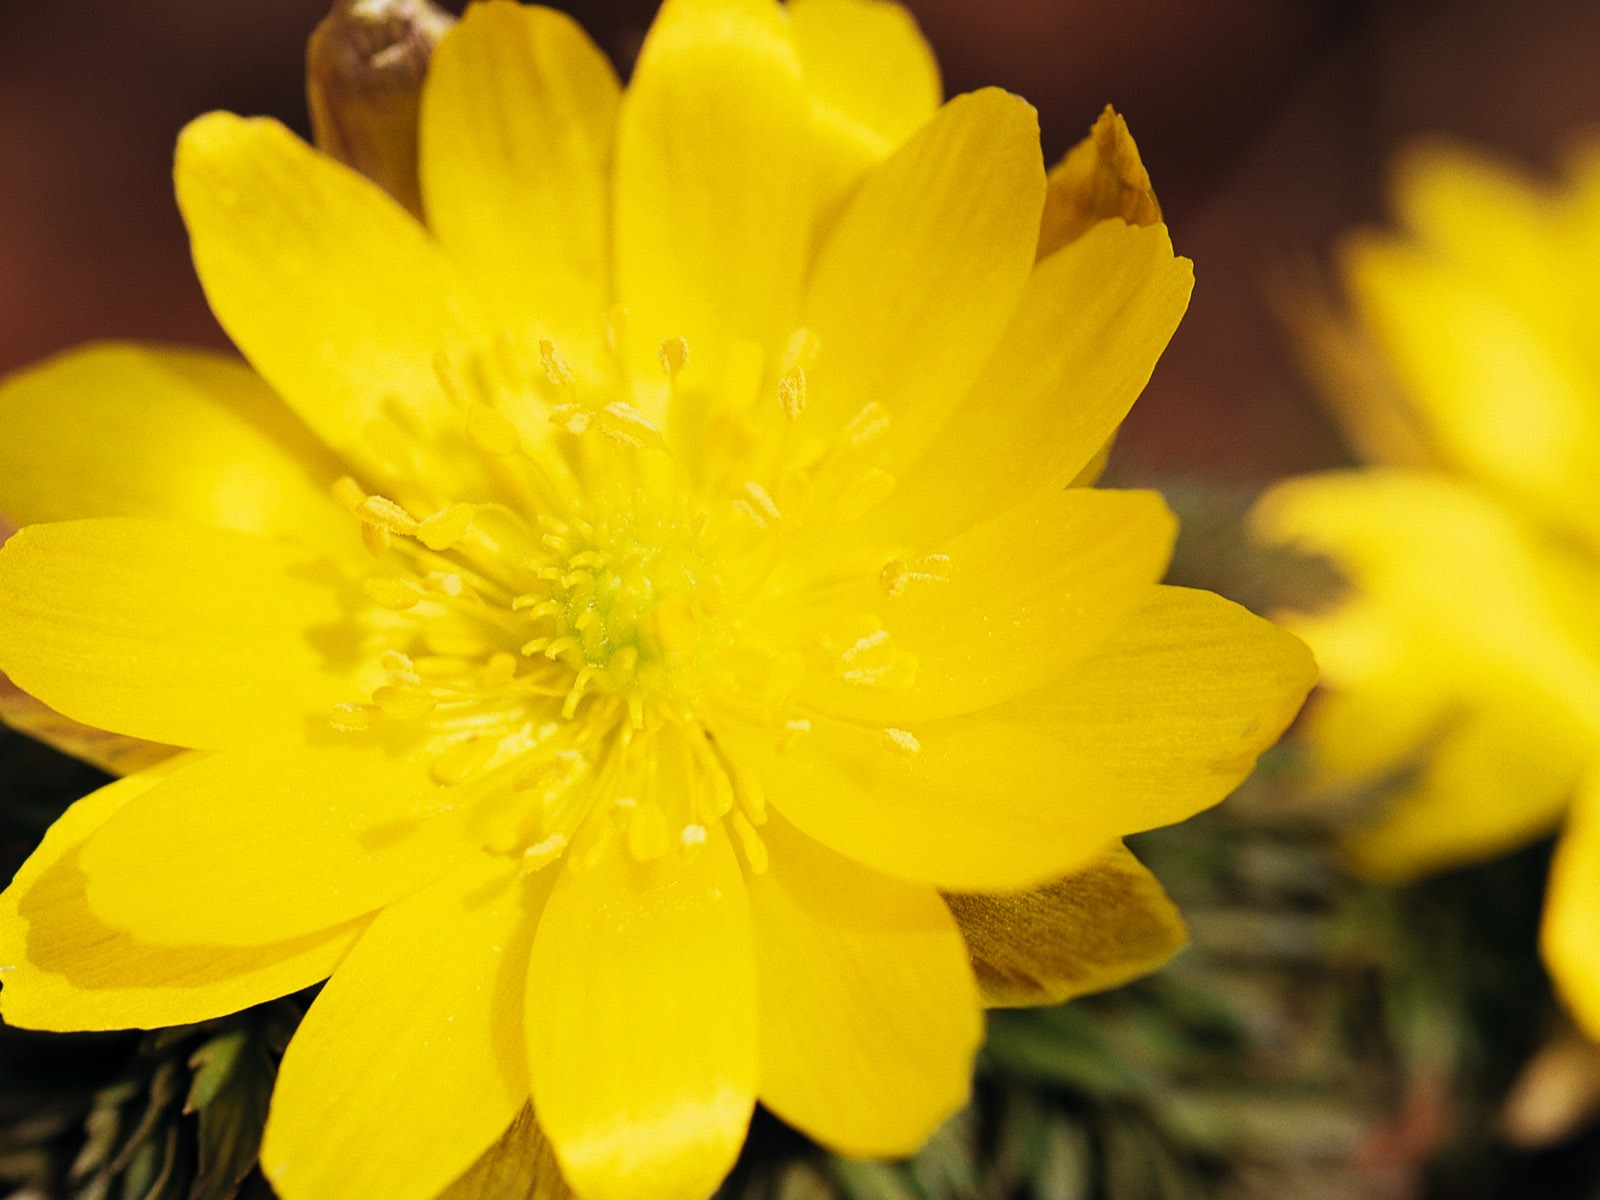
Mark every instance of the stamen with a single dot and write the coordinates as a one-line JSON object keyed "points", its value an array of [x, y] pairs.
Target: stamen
{"points": [[404, 703], [397, 595], [556, 368], [674, 356], [542, 854], [792, 392], [446, 527], [386, 514], [801, 350], [353, 718], [903, 742], [897, 572], [793, 730], [693, 837], [870, 423]]}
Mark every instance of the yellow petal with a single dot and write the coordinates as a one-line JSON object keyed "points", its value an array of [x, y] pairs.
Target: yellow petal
{"points": [[517, 125], [1500, 399], [186, 634], [1571, 929], [121, 430], [1488, 218], [922, 272], [1101, 177], [1163, 722], [1093, 930], [1092, 322], [642, 1023], [713, 201], [113, 753], [869, 1016], [872, 79], [1022, 597], [61, 968], [1463, 637], [334, 293], [256, 845], [410, 1063]]}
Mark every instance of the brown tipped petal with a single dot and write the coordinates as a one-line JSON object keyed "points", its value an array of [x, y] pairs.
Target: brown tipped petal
{"points": [[1102, 176], [1093, 930], [365, 65]]}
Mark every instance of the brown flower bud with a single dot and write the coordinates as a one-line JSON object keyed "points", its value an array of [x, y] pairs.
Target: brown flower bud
{"points": [[365, 64]]}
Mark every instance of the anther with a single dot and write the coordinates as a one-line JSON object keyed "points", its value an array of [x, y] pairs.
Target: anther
{"points": [[692, 837], [556, 368], [542, 854], [574, 418], [403, 703], [792, 392], [869, 423], [386, 514], [674, 354], [397, 595], [446, 527], [897, 572], [352, 718], [491, 432], [762, 500], [902, 741], [793, 730], [801, 350]]}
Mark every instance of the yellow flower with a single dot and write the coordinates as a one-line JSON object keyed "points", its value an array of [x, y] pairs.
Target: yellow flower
{"points": [[1463, 665], [711, 690]]}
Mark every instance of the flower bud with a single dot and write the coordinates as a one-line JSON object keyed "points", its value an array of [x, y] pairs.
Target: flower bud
{"points": [[365, 64]]}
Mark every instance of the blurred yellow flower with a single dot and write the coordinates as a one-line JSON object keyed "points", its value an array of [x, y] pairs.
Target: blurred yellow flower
{"points": [[711, 689], [1463, 664]]}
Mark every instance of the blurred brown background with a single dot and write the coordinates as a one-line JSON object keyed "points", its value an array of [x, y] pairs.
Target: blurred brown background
{"points": [[1265, 124]]}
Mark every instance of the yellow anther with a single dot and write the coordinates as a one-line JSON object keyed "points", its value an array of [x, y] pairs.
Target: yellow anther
{"points": [[587, 558], [352, 718], [535, 646], [692, 837], [556, 368], [445, 583], [792, 392], [870, 423], [793, 730], [500, 670], [399, 667], [574, 418], [404, 703], [386, 514], [446, 527], [674, 355], [580, 684], [898, 572], [398, 595], [863, 493], [348, 494], [461, 761], [762, 501], [902, 741], [801, 350], [542, 854], [755, 850], [491, 432], [647, 833], [621, 422], [375, 538]]}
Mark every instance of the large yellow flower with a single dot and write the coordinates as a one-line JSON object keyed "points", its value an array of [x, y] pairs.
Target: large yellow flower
{"points": [[1463, 664], [710, 642]]}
